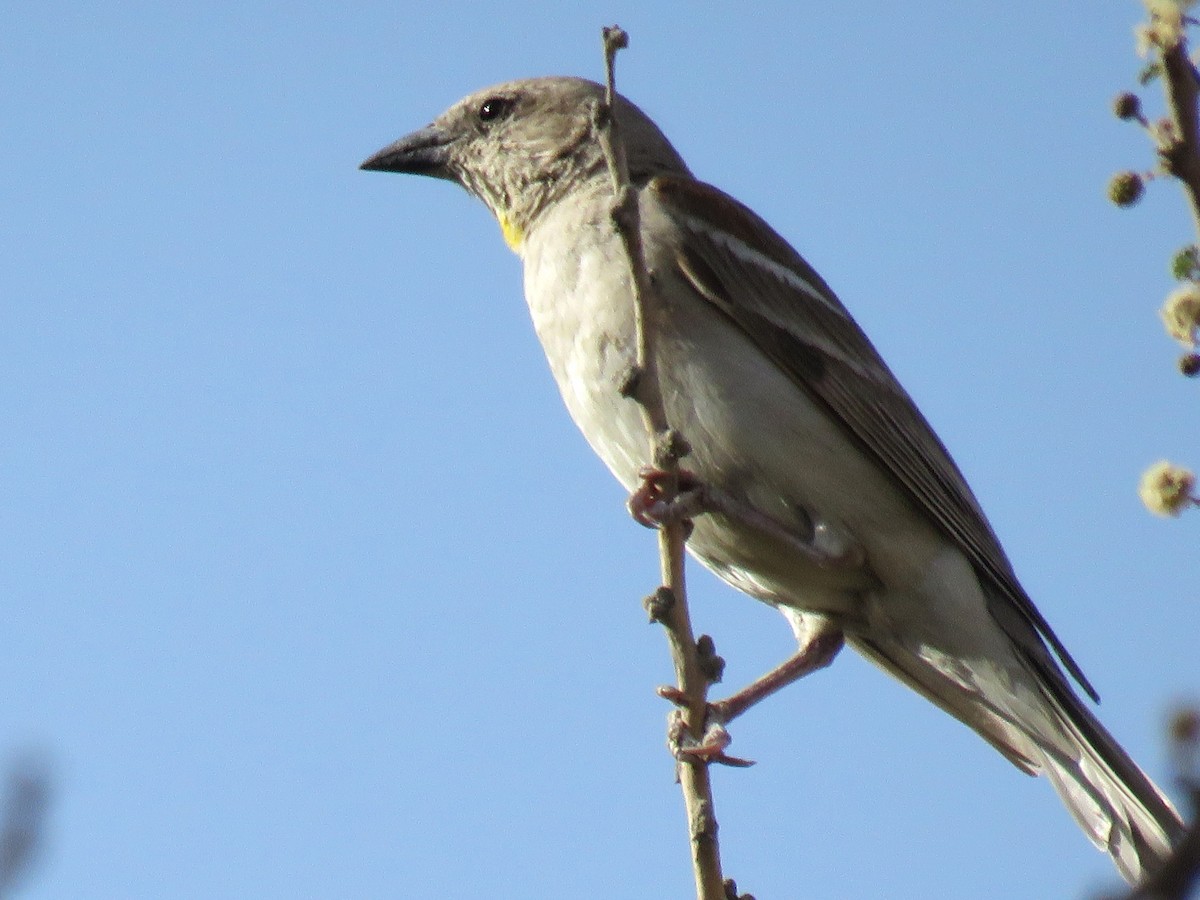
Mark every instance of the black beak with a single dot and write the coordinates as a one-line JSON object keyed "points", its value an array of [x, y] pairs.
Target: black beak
{"points": [[423, 152]]}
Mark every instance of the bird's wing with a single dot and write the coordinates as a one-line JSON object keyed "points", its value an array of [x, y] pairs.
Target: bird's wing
{"points": [[739, 264]]}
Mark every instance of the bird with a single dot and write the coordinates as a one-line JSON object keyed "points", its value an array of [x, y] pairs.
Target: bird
{"points": [[829, 496]]}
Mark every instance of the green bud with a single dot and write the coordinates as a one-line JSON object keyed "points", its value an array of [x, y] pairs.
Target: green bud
{"points": [[1185, 264], [1126, 188]]}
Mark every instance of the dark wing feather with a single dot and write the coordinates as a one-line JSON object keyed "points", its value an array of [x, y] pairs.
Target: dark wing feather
{"points": [[739, 264]]}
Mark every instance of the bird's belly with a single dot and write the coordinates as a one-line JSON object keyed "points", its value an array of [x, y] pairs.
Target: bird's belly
{"points": [[755, 434]]}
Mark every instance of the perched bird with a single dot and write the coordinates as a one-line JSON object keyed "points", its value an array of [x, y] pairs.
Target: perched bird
{"points": [[829, 495]]}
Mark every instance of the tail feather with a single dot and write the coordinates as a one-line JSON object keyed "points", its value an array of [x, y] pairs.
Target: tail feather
{"points": [[1112, 799], [1041, 726]]}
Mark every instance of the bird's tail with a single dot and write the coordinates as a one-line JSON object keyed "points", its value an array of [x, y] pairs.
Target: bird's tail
{"points": [[1036, 720], [1113, 800]]}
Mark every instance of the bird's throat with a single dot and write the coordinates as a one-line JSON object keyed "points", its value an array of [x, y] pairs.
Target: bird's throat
{"points": [[514, 236]]}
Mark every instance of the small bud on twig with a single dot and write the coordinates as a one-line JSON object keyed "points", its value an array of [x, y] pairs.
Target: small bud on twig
{"points": [[658, 603], [1185, 263], [615, 37], [1165, 29], [1126, 188], [1181, 313], [670, 447], [711, 664], [1166, 489], [1185, 726], [1127, 106], [731, 891]]}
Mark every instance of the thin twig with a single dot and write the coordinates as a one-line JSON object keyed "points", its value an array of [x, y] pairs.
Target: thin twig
{"points": [[666, 447], [1179, 149], [1181, 153]]}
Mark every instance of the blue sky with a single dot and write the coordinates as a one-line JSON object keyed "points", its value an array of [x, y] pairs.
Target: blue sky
{"points": [[312, 590]]}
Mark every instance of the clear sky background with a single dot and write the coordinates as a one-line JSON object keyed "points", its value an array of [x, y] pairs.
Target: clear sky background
{"points": [[311, 589]]}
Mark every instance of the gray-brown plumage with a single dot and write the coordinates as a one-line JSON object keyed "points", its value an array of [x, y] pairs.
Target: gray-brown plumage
{"points": [[791, 413]]}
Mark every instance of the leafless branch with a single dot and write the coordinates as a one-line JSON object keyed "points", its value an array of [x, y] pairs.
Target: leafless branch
{"points": [[1166, 488], [666, 448], [1180, 150]]}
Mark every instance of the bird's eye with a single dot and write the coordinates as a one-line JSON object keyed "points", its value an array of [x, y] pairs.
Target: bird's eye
{"points": [[493, 108]]}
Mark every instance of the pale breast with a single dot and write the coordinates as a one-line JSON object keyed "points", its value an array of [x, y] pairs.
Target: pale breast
{"points": [[577, 289], [755, 434]]}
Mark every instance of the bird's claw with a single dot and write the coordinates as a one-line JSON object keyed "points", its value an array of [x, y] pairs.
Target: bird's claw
{"points": [[708, 750], [649, 505], [819, 649]]}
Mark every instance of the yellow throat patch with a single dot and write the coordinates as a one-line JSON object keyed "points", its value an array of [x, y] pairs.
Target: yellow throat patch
{"points": [[513, 235]]}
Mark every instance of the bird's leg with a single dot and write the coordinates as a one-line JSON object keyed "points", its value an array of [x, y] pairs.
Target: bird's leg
{"points": [[820, 650], [817, 652], [823, 548]]}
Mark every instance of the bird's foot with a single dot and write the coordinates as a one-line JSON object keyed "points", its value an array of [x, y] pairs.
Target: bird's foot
{"points": [[649, 504], [709, 749], [818, 651]]}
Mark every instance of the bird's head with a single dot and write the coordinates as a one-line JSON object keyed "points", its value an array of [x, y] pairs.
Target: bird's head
{"points": [[523, 145]]}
